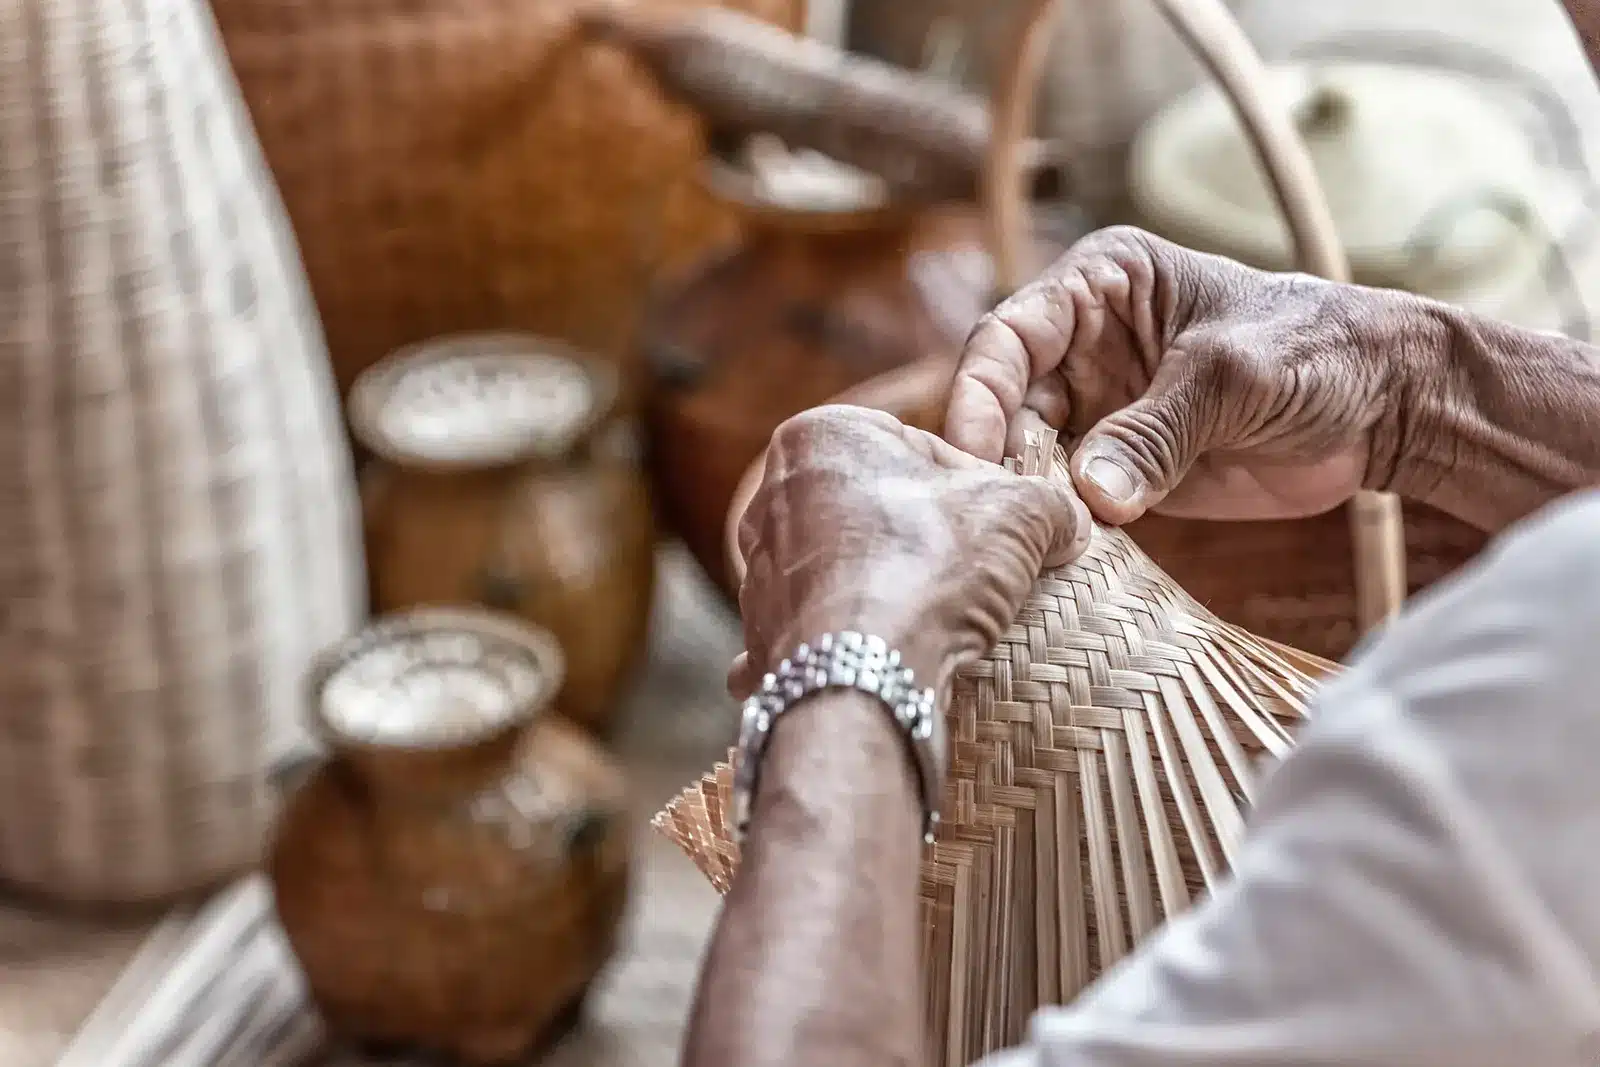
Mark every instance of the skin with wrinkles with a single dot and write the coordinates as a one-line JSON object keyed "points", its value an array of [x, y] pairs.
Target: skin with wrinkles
{"points": [[1211, 387], [1216, 391], [864, 523], [1201, 388], [859, 523]]}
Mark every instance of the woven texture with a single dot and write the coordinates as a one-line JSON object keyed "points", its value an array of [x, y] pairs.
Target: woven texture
{"points": [[177, 519], [1102, 756], [456, 165]]}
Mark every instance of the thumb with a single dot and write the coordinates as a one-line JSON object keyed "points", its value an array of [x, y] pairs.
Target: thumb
{"points": [[1130, 460]]}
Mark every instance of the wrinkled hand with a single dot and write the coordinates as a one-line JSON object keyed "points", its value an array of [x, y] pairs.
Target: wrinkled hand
{"points": [[863, 523], [1193, 385]]}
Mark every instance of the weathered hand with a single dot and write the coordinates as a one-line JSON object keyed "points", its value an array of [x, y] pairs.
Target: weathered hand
{"points": [[863, 523], [1196, 386]]}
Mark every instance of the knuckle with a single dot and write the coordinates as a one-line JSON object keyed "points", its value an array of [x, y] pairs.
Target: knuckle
{"points": [[1153, 441], [803, 426], [1185, 286], [1119, 240], [1229, 367]]}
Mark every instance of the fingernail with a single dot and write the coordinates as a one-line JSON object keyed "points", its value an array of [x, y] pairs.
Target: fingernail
{"points": [[1111, 479]]}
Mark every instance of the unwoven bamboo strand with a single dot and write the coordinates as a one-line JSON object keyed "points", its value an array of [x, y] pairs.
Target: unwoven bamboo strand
{"points": [[217, 987]]}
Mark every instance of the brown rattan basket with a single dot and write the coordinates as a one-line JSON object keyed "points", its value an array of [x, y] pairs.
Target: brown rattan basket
{"points": [[1315, 583], [179, 531], [459, 165]]}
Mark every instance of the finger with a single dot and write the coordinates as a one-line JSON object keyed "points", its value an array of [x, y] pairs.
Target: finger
{"points": [[753, 612], [742, 678], [940, 451], [1022, 340], [749, 528], [1133, 458], [1067, 524]]}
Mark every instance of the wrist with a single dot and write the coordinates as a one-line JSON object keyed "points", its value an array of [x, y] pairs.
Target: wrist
{"points": [[925, 650], [1411, 341], [836, 663], [828, 755], [1496, 421]]}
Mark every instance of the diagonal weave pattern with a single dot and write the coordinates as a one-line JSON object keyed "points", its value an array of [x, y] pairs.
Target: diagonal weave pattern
{"points": [[1102, 757]]}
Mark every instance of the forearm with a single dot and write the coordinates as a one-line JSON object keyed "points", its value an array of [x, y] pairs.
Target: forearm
{"points": [[814, 959], [1500, 422]]}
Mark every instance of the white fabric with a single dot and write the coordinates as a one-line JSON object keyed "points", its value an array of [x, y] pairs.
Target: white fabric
{"points": [[1421, 884]]}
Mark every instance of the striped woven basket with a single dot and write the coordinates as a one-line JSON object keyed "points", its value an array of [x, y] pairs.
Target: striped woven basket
{"points": [[178, 524]]}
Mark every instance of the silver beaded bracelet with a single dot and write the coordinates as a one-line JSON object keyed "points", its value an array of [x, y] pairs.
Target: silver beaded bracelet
{"points": [[845, 660]]}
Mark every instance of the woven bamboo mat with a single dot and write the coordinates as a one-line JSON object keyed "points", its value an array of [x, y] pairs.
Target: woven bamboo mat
{"points": [[182, 1010]]}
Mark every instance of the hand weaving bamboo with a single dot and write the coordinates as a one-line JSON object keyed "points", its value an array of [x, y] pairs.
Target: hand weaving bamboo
{"points": [[1104, 752], [1101, 759]]}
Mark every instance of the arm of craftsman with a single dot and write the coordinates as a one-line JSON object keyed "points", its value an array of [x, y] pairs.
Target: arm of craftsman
{"points": [[866, 525], [1418, 883], [815, 959], [1502, 423]]}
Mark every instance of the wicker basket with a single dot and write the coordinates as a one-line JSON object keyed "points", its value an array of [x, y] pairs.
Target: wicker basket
{"points": [[178, 526], [1102, 755], [459, 165]]}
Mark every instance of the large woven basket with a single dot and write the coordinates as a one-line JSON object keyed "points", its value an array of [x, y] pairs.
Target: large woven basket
{"points": [[1102, 756], [460, 165], [177, 518]]}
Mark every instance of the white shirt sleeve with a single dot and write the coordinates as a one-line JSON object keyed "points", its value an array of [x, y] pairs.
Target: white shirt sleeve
{"points": [[1420, 886]]}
